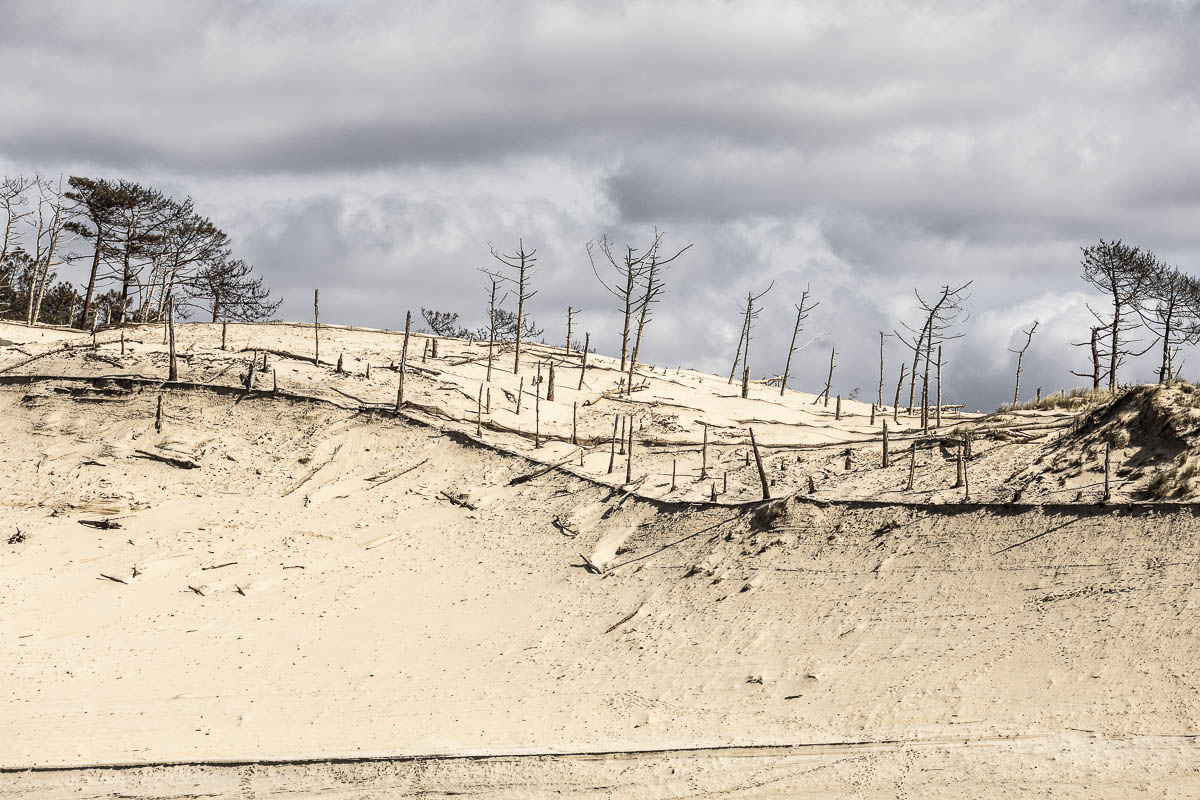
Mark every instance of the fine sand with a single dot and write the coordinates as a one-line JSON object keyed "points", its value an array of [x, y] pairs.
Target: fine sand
{"points": [[295, 591]]}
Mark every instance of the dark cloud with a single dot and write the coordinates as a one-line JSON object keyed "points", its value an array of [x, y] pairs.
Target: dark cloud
{"points": [[375, 149]]}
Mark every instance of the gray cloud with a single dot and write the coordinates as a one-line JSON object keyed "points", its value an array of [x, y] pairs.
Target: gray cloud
{"points": [[863, 149]]}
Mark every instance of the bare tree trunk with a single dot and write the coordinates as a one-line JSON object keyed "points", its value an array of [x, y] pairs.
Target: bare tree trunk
{"points": [[1114, 356], [587, 341], [317, 327], [938, 423], [899, 385], [885, 443], [403, 361], [762, 474], [828, 380], [172, 370], [612, 452], [570, 319], [1095, 359], [787, 367], [881, 335]]}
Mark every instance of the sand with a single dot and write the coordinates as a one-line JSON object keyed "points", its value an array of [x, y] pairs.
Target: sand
{"points": [[311, 577]]}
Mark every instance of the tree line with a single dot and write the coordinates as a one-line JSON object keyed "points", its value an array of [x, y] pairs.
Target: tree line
{"points": [[146, 255]]}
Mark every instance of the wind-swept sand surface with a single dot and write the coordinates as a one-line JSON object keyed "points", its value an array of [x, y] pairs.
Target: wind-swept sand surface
{"points": [[295, 574]]}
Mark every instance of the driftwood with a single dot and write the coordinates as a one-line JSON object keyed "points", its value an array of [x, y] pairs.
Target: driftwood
{"points": [[110, 578], [102, 524], [459, 500], [564, 528], [590, 567], [538, 472], [181, 463]]}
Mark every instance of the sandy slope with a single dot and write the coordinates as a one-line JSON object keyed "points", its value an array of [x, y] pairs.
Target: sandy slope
{"points": [[296, 596]]}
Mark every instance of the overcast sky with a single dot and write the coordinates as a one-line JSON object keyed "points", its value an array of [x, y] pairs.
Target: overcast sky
{"points": [[373, 150]]}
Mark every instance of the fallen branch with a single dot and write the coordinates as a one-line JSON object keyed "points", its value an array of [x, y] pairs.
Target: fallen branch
{"points": [[458, 500], [564, 528], [219, 566], [382, 480], [181, 463], [111, 578], [624, 619], [102, 524], [589, 566]]}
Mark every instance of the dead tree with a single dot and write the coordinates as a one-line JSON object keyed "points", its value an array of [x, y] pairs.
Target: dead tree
{"points": [[570, 319], [802, 311], [494, 286], [317, 327], [1124, 274], [881, 337], [587, 341], [54, 215], [899, 385], [403, 361], [522, 262], [828, 380], [1174, 317], [655, 266], [749, 315], [629, 269], [1021, 357], [1097, 372], [939, 316]]}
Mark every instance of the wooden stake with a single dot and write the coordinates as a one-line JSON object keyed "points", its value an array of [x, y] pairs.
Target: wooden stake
{"points": [[537, 410], [158, 416], [762, 475], [274, 383], [725, 482], [966, 477], [622, 450], [587, 340], [479, 413], [520, 391], [872, 415], [264, 364], [223, 326], [672, 474], [812, 485], [550, 384], [837, 411], [912, 466], [958, 480], [849, 459], [885, 442], [425, 352], [368, 370], [489, 400], [173, 369], [574, 422], [433, 348], [713, 497], [629, 455], [403, 360], [1107, 465], [123, 340], [316, 326], [704, 455], [338, 369], [612, 452], [746, 382], [250, 373]]}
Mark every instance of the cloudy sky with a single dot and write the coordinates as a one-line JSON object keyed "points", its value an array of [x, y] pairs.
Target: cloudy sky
{"points": [[374, 150]]}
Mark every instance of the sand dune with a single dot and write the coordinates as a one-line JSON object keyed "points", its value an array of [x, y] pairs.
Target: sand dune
{"points": [[333, 580]]}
